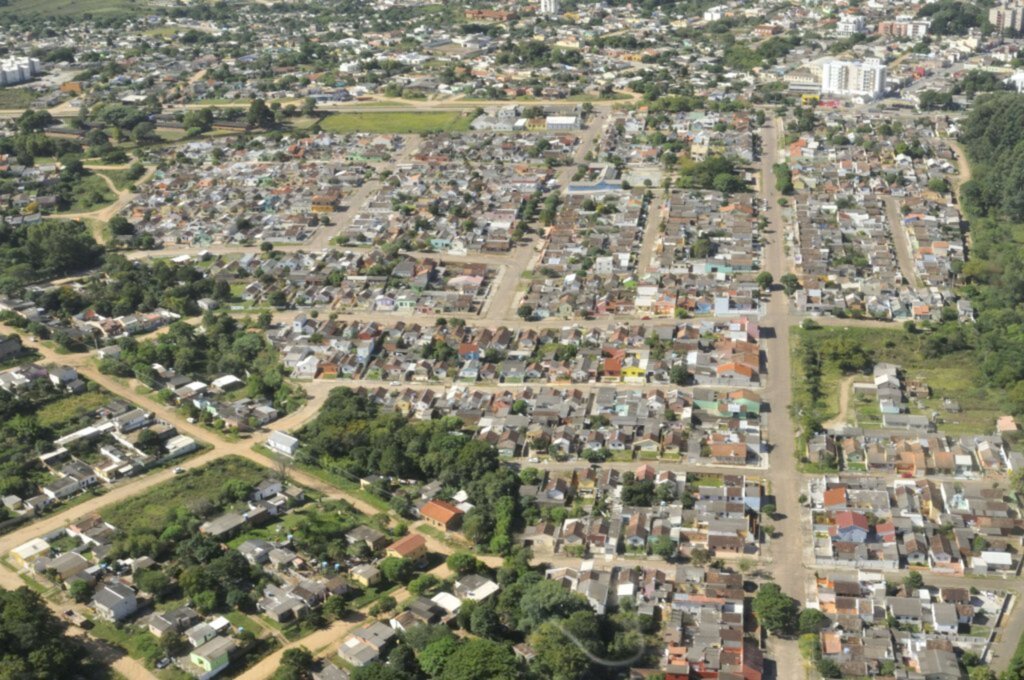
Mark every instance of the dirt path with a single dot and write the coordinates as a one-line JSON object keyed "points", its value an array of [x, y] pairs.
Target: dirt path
{"points": [[124, 197], [842, 418]]}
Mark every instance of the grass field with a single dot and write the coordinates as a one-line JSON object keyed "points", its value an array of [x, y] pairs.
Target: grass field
{"points": [[118, 177], [65, 411], [170, 134], [16, 97], [397, 122], [200, 487], [955, 377], [74, 8]]}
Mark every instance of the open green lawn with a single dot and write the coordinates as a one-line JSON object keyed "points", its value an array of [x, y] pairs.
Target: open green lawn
{"points": [[397, 122], [74, 8], [136, 640], [118, 177], [16, 97], [170, 134], [302, 122], [60, 413], [198, 488], [955, 376]]}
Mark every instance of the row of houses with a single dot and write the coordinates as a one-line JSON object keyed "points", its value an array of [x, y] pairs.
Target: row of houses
{"points": [[950, 528]]}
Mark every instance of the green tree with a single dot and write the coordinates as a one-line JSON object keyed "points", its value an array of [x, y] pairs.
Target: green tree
{"points": [[80, 591], [155, 582], [463, 563], [557, 656], [423, 583], [198, 119], [664, 547], [421, 636], [700, 556], [435, 656], [547, 599], [259, 115], [474, 659], [775, 610], [396, 570], [812, 621], [484, 622], [383, 605], [913, 581], [144, 133], [790, 283], [33, 643], [829, 668], [765, 280], [296, 664]]}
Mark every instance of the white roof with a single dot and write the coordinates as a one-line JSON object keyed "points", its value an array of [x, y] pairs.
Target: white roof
{"points": [[31, 548], [282, 438], [226, 380], [220, 623], [179, 441], [561, 120], [447, 601], [996, 557]]}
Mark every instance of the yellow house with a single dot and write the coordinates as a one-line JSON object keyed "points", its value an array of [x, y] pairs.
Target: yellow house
{"points": [[25, 555], [632, 374], [412, 547], [365, 575]]}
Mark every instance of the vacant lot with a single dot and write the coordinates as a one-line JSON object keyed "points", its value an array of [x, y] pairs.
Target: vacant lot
{"points": [[397, 122], [74, 8], [846, 352], [59, 414], [199, 489], [16, 97]]}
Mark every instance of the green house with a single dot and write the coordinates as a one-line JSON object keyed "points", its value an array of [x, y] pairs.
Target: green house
{"points": [[213, 656]]}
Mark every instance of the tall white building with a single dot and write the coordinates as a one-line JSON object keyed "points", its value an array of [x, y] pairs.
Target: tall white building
{"points": [[1007, 17], [14, 70], [853, 78], [549, 7], [850, 25], [904, 28]]}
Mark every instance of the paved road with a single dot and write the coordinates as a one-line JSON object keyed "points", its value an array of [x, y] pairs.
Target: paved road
{"points": [[656, 212], [901, 242], [787, 547]]}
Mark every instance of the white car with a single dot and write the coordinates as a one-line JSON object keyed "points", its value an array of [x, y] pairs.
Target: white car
{"points": [[534, 459], [179, 470]]}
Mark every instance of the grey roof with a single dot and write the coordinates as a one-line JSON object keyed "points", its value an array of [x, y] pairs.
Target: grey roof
{"points": [[215, 647], [112, 594]]}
